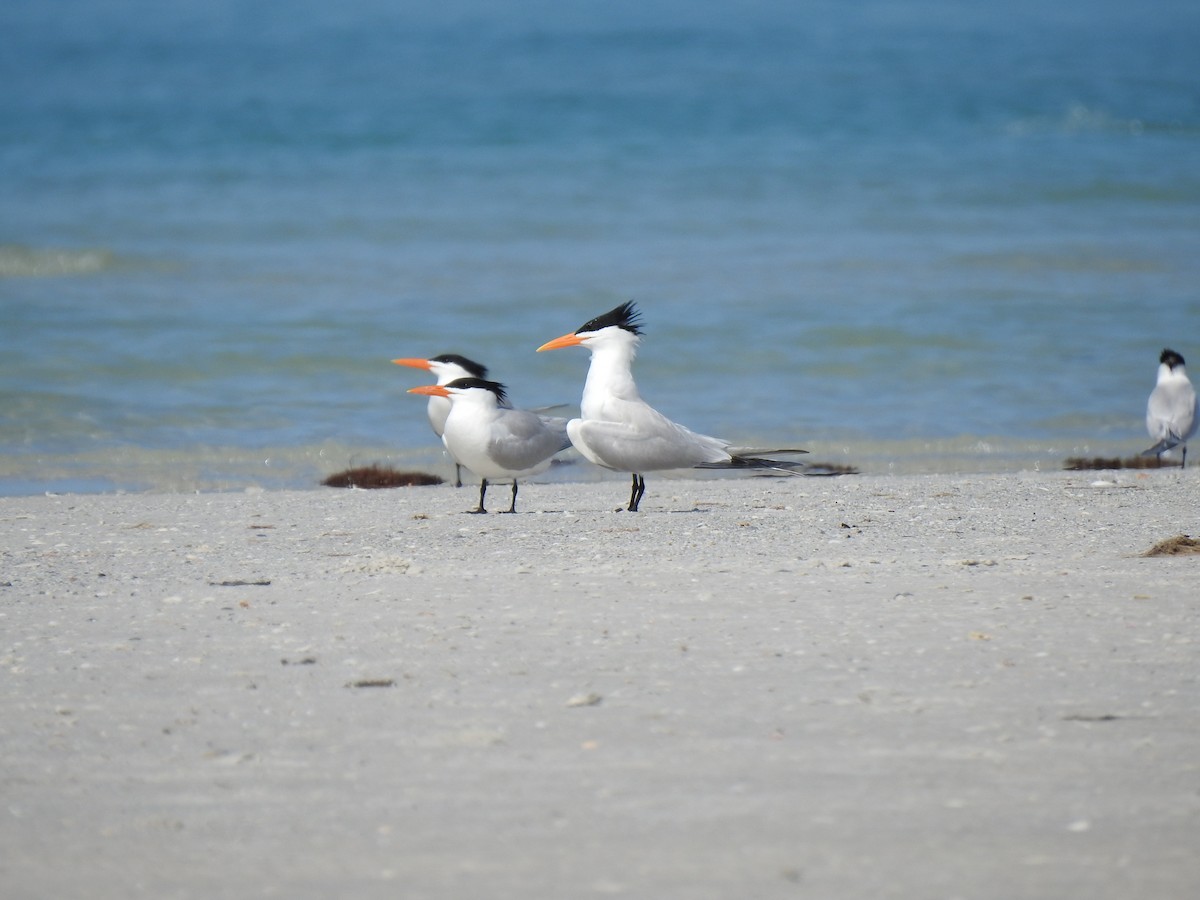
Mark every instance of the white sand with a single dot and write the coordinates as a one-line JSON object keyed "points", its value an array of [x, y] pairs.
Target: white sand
{"points": [[875, 687]]}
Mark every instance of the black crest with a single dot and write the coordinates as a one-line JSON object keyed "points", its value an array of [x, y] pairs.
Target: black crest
{"points": [[469, 364], [1171, 358], [495, 387], [624, 316]]}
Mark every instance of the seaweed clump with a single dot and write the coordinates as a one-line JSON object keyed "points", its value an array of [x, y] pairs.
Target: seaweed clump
{"points": [[1081, 463], [1180, 545], [371, 477]]}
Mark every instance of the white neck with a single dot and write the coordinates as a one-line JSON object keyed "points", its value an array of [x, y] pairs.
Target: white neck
{"points": [[1166, 372], [610, 373]]}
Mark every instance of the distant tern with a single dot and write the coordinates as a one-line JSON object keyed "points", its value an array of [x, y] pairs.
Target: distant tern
{"points": [[619, 430], [493, 440], [1171, 414]]}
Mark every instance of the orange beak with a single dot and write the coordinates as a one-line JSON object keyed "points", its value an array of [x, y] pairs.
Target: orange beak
{"points": [[413, 363], [430, 390], [567, 340]]}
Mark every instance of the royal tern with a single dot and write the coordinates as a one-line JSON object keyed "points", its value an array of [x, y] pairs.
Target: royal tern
{"points": [[1171, 415], [445, 367], [618, 430], [491, 438]]}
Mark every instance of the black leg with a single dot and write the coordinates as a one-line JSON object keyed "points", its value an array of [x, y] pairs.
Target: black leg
{"points": [[635, 495], [513, 508], [482, 492], [457, 475], [1183, 465]]}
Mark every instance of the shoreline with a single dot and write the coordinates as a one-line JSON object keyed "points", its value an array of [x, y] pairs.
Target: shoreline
{"points": [[233, 468], [864, 686]]}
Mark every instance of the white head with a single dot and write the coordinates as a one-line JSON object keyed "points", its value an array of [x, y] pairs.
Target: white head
{"points": [[446, 367], [1171, 360], [469, 390], [619, 327]]}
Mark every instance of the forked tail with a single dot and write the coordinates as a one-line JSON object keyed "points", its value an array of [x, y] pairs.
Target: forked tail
{"points": [[742, 460], [1170, 442]]}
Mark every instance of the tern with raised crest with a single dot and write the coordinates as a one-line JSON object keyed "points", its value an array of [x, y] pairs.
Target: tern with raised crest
{"points": [[619, 430]]}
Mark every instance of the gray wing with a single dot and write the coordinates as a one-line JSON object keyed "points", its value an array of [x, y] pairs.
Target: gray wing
{"points": [[1171, 413], [523, 441]]}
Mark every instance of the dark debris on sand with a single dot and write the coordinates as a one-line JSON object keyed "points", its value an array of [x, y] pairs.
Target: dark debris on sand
{"points": [[829, 469], [379, 477], [1081, 463]]}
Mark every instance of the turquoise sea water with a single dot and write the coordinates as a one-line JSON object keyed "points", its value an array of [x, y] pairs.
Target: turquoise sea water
{"points": [[925, 236]]}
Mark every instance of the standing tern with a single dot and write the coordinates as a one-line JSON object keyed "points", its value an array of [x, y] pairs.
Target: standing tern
{"points": [[1171, 414], [491, 438], [445, 367], [619, 430]]}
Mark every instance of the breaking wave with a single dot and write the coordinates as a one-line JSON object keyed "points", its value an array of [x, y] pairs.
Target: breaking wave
{"points": [[43, 262]]}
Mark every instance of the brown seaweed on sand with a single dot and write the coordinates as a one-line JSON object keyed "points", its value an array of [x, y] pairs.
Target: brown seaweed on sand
{"points": [[1081, 463], [1180, 545], [379, 477]]}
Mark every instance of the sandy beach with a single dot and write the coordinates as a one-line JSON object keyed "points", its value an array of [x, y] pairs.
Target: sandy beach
{"points": [[866, 686]]}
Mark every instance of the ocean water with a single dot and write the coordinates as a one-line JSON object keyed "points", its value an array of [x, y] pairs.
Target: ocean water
{"points": [[910, 236]]}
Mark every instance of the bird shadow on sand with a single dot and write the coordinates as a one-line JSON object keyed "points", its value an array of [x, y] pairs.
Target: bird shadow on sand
{"points": [[599, 512]]}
